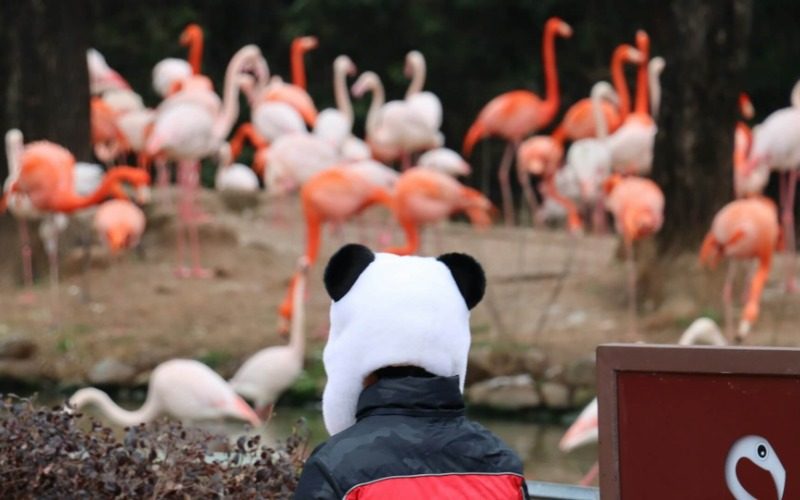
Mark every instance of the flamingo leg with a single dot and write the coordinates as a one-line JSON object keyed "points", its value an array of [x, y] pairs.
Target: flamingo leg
{"points": [[590, 476], [503, 174], [51, 246], [525, 181], [198, 271], [549, 189], [751, 308], [599, 221], [633, 333], [727, 299], [27, 296], [788, 229]]}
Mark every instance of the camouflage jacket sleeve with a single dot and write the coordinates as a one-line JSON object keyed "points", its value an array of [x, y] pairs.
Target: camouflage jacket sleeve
{"points": [[317, 483]]}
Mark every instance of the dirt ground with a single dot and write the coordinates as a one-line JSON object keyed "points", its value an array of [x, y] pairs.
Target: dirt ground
{"points": [[547, 289]]}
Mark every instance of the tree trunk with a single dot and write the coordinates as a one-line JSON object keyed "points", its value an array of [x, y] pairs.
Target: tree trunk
{"points": [[46, 90], [706, 54]]}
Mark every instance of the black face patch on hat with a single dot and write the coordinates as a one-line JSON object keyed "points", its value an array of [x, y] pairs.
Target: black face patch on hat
{"points": [[345, 267], [468, 275]]}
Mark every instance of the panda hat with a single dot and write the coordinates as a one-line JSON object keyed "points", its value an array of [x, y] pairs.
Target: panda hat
{"points": [[391, 310]]}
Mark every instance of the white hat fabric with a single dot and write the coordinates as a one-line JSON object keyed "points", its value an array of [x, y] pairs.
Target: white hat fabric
{"points": [[390, 310]]}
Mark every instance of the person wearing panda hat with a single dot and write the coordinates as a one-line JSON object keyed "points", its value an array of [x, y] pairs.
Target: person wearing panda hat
{"points": [[396, 360]]}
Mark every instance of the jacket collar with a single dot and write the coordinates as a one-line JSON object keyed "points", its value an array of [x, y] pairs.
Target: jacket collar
{"points": [[422, 396]]}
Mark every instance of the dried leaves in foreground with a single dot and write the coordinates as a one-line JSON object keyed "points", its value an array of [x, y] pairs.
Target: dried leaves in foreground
{"points": [[47, 453]]}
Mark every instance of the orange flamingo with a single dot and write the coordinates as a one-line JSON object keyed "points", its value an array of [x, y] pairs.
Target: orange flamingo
{"points": [[423, 196], [743, 229], [637, 205], [579, 120], [632, 144], [516, 114], [46, 176], [300, 46], [294, 94], [108, 140], [333, 195], [192, 37]]}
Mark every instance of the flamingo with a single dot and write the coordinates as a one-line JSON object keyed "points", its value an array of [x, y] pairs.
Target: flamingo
{"points": [[184, 389], [269, 372], [584, 430], [589, 160], [233, 177], [294, 158], [515, 115], [168, 72], [542, 155], [335, 124], [425, 103], [187, 130], [426, 196], [46, 177], [371, 82], [120, 224], [758, 450], [776, 144], [632, 144], [101, 77], [579, 121], [743, 229], [444, 160], [334, 195], [637, 205], [107, 138]]}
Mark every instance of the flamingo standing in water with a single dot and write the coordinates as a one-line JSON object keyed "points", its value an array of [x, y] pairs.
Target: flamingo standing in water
{"points": [[776, 145], [632, 144], [515, 115], [423, 196], [702, 331], [743, 229], [637, 205], [333, 195], [269, 372], [184, 389], [188, 129]]}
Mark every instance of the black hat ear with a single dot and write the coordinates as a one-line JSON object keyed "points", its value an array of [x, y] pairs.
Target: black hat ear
{"points": [[468, 275], [345, 267]]}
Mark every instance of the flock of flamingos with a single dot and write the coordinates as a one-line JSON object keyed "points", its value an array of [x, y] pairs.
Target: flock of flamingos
{"points": [[595, 161]]}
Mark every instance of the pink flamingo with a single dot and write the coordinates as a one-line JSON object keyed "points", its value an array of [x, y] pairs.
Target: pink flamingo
{"points": [[188, 130], [632, 144], [120, 224], [371, 82], [101, 77], [776, 145], [515, 115], [424, 103], [637, 205], [746, 182], [743, 229], [181, 388], [269, 372]]}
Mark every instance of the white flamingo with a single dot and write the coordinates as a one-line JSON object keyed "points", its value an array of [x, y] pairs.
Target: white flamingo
{"points": [[758, 450]]}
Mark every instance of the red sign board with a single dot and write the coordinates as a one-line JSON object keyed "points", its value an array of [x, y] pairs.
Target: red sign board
{"points": [[699, 422]]}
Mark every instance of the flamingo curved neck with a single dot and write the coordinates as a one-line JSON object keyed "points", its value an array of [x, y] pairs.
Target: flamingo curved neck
{"points": [[618, 79], [230, 98], [120, 416], [13, 152], [343, 103], [69, 201], [552, 97], [735, 487], [298, 68], [418, 78], [195, 42], [641, 82], [378, 99]]}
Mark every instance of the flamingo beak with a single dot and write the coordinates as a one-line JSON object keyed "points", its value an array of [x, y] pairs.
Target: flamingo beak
{"points": [[143, 195], [358, 90], [244, 411], [583, 431], [565, 30]]}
